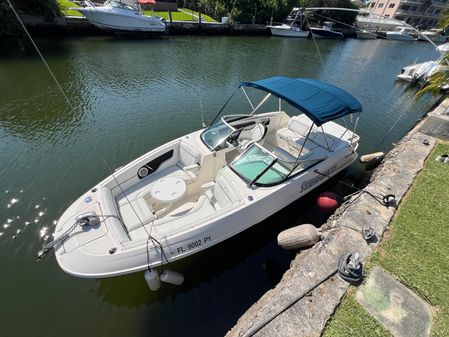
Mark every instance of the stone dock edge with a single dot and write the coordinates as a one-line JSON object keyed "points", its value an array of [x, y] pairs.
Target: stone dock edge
{"points": [[308, 316]]}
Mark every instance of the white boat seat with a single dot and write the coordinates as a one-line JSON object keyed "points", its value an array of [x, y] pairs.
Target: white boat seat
{"points": [[189, 162], [252, 134], [296, 131], [113, 220], [203, 205], [136, 213], [220, 193], [202, 209]]}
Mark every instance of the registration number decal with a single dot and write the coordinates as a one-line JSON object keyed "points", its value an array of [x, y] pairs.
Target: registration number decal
{"points": [[194, 244]]}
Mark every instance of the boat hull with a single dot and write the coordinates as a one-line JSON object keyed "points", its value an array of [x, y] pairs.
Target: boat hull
{"points": [[287, 31], [326, 34], [399, 37]]}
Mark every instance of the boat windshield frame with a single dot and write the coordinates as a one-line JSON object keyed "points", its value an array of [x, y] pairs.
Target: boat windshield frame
{"points": [[119, 4], [220, 130]]}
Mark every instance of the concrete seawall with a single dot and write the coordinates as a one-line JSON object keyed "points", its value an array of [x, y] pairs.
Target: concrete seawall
{"points": [[308, 316], [81, 27], [75, 25]]}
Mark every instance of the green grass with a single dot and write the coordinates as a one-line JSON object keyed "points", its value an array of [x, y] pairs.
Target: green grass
{"points": [[187, 15], [64, 4], [417, 253], [351, 320]]}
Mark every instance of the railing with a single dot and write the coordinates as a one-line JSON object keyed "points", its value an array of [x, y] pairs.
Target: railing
{"points": [[435, 3], [418, 13], [417, 2]]}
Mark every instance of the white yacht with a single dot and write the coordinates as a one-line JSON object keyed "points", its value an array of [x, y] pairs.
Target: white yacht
{"points": [[402, 34], [293, 25], [418, 72], [115, 15], [207, 186]]}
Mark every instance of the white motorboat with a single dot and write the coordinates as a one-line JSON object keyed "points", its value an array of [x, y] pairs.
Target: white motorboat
{"points": [[293, 25], [401, 34], [418, 72], [115, 15], [326, 31], [421, 72], [205, 187]]}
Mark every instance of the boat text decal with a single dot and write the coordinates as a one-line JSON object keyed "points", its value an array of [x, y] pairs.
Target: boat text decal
{"points": [[194, 244], [315, 180]]}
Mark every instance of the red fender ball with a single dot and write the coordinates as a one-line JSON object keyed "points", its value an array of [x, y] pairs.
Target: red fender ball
{"points": [[328, 201]]}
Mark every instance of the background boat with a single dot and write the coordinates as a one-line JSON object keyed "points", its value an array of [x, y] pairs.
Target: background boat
{"points": [[421, 72], [401, 34], [292, 25], [117, 16], [326, 31]]}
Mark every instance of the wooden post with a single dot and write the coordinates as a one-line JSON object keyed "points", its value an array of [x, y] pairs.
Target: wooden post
{"points": [[199, 16], [170, 17]]}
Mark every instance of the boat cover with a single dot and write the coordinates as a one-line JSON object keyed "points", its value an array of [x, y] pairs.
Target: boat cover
{"points": [[319, 101]]}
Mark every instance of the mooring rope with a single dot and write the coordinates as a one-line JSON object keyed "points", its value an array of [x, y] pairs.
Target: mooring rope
{"points": [[41, 56], [349, 268], [385, 200], [316, 45], [68, 233]]}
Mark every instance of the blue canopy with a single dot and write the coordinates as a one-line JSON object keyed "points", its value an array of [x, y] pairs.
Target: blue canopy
{"points": [[321, 102]]}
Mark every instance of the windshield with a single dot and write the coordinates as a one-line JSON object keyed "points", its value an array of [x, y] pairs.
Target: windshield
{"points": [[260, 167], [216, 134], [119, 4], [254, 161]]}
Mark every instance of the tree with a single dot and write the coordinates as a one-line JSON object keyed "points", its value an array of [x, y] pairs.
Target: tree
{"points": [[46, 9], [213, 8], [246, 11]]}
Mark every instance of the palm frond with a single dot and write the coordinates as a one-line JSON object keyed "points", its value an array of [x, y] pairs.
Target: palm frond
{"points": [[434, 83]]}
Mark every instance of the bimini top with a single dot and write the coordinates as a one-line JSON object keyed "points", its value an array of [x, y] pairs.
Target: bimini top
{"points": [[321, 102]]}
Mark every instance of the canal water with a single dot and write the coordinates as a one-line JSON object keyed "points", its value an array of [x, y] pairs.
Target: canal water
{"points": [[128, 96]]}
